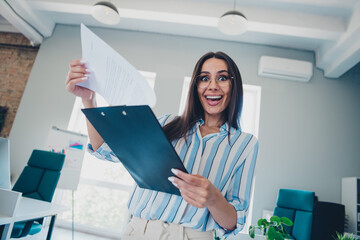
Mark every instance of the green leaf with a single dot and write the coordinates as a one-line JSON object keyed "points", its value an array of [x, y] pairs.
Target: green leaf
{"points": [[279, 236], [262, 222], [252, 231], [274, 234], [286, 221], [271, 234], [275, 219]]}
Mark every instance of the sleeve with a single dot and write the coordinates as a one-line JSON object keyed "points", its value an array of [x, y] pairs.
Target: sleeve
{"points": [[104, 152], [165, 119], [239, 191]]}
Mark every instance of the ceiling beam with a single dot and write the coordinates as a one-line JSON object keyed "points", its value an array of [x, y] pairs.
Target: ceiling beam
{"points": [[311, 27], [43, 24], [338, 57], [20, 24]]}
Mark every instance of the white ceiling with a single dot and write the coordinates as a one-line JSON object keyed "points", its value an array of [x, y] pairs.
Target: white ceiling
{"points": [[330, 28]]}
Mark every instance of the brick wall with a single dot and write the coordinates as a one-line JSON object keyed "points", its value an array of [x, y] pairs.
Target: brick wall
{"points": [[16, 60]]}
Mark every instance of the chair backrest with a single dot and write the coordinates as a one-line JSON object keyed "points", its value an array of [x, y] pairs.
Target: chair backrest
{"points": [[329, 218], [298, 206], [39, 178]]}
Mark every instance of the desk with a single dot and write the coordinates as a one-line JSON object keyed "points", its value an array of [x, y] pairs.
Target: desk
{"points": [[7, 222], [28, 209], [5, 219]]}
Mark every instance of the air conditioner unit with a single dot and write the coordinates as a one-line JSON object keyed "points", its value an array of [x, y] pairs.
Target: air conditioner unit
{"points": [[283, 68]]}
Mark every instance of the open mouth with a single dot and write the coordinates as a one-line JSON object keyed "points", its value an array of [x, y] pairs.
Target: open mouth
{"points": [[213, 100]]}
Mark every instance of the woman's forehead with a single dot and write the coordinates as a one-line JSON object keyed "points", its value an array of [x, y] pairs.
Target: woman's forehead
{"points": [[214, 65]]}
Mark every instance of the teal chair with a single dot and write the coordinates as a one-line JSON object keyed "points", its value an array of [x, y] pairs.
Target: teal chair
{"points": [[298, 206], [38, 180]]}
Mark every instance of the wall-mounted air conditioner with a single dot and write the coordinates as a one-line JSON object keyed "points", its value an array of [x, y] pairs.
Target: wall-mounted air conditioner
{"points": [[283, 68]]}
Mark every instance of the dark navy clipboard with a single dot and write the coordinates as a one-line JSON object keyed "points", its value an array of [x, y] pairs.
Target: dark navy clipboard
{"points": [[135, 136]]}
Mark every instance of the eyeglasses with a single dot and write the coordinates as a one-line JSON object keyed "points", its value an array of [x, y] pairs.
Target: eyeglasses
{"points": [[223, 80]]}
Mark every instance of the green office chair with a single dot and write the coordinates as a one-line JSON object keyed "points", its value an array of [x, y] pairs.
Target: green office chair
{"points": [[38, 180], [298, 206]]}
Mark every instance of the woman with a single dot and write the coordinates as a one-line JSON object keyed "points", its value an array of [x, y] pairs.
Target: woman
{"points": [[207, 137]]}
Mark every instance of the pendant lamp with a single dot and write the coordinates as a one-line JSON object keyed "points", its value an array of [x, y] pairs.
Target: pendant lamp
{"points": [[105, 12], [233, 22]]}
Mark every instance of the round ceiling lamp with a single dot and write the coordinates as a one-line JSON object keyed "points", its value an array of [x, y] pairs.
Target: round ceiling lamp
{"points": [[105, 12], [233, 22]]}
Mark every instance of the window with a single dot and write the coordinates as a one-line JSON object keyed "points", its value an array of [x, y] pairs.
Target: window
{"points": [[249, 121], [100, 202]]}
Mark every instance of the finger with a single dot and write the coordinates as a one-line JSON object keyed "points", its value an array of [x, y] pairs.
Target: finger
{"points": [[77, 62], [79, 69], [186, 187], [198, 196], [201, 196], [196, 180], [75, 81], [191, 201], [71, 76]]}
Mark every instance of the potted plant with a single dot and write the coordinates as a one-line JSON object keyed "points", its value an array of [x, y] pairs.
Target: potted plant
{"points": [[345, 236], [273, 229]]}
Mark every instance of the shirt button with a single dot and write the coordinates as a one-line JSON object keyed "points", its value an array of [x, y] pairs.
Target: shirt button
{"points": [[165, 224]]}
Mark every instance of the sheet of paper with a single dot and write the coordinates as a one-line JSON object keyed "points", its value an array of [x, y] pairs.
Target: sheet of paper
{"points": [[114, 78]]}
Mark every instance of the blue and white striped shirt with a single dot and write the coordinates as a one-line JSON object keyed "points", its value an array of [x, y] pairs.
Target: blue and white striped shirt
{"points": [[228, 165]]}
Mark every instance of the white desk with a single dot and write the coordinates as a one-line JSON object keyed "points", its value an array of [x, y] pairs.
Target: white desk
{"points": [[31, 209], [7, 223], [5, 219]]}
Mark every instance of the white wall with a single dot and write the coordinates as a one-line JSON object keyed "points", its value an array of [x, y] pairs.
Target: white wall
{"points": [[309, 132]]}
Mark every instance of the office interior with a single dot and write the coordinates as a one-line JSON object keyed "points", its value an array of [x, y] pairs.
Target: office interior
{"points": [[308, 131]]}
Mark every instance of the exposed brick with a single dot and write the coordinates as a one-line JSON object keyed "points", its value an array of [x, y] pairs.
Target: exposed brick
{"points": [[15, 66]]}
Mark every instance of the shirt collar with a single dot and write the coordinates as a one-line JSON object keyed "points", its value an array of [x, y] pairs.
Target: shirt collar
{"points": [[223, 129]]}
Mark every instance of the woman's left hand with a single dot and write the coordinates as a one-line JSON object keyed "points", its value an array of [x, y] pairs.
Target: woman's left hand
{"points": [[195, 189]]}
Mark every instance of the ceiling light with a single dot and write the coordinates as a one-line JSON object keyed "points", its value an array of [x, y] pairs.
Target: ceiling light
{"points": [[105, 12], [233, 22]]}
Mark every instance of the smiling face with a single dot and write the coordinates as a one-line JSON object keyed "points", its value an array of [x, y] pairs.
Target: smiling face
{"points": [[215, 94]]}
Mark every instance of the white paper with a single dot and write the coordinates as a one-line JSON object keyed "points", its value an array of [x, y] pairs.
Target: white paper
{"points": [[114, 78]]}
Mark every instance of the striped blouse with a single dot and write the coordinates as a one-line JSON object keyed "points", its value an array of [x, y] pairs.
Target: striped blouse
{"points": [[229, 165]]}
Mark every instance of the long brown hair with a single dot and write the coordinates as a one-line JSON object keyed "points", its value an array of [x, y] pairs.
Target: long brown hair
{"points": [[194, 110]]}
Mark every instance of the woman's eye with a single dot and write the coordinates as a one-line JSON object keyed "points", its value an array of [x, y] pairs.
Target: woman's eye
{"points": [[204, 78], [223, 78]]}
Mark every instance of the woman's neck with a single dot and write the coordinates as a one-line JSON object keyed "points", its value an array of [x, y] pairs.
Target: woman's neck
{"points": [[211, 126], [214, 122]]}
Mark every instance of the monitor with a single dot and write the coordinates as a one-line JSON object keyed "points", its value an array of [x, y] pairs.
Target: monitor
{"points": [[5, 163]]}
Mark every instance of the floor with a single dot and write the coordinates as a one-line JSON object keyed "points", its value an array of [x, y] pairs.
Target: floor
{"points": [[66, 234]]}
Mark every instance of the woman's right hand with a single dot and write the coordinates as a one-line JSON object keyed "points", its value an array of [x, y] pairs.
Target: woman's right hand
{"points": [[78, 73]]}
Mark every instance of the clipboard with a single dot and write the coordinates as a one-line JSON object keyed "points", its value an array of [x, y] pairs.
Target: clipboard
{"points": [[135, 136]]}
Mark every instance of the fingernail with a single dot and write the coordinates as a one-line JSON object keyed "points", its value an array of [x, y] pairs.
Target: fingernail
{"points": [[82, 61], [87, 75], [84, 78], [87, 70], [171, 179], [174, 171]]}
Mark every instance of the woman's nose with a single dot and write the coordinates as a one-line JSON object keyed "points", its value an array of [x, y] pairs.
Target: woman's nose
{"points": [[213, 84]]}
